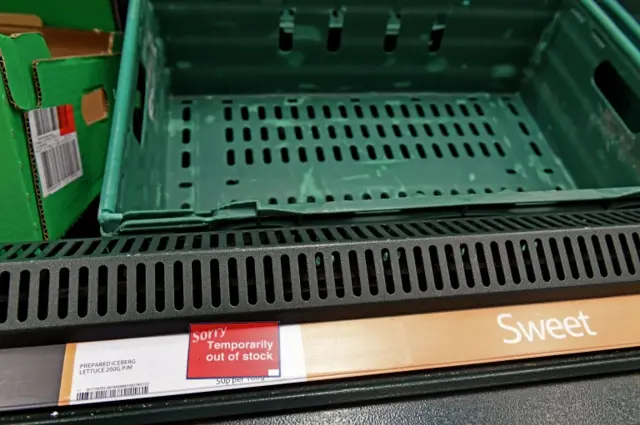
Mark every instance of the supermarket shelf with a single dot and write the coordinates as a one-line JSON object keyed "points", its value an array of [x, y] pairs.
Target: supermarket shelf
{"points": [[293, 398], [135, 286], [596, 401]]}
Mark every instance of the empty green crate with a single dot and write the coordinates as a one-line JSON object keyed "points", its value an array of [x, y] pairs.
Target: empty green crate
{"points": [[236, 110]]}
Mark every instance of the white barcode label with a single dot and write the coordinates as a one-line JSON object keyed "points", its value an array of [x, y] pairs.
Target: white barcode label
{"points": [[118, 391], [55, 145], [46, 121], [59, 164]]}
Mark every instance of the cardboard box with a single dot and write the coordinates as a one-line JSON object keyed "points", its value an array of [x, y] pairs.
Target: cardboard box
{"points": [[56, 99], [70, 14]]}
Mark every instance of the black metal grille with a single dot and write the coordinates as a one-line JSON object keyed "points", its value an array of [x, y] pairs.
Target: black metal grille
{"points": [[305, 274]]}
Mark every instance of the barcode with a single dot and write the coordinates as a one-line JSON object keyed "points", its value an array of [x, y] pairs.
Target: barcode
{"points": [[46, 121], [112, 392], [59, 164]]}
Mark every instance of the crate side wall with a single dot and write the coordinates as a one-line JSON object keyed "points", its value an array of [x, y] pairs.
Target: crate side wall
{"points": [[145, 158], [578, 62], [225, 48]]}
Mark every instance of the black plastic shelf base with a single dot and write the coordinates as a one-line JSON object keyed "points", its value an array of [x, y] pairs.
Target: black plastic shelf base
{"points": [[59, 292], [289, 398]]}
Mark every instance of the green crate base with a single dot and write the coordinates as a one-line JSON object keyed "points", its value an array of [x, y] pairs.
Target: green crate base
{"points": [[325, 148]]}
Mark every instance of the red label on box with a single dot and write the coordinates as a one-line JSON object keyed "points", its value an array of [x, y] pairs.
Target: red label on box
{"points": [[66, 120], [234, 350]]}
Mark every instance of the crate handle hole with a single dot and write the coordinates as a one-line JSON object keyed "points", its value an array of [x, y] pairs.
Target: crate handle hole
{"points": [[619, 94], [334, 39], [390, 42], [286, 30], [233, 182], [437, 33], [285, 41], [334, 34]]}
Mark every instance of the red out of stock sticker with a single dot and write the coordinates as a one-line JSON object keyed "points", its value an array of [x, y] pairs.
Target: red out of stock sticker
{"points": [[234, 350]]}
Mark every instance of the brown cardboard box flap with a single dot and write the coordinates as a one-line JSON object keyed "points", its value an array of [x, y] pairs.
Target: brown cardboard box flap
{"points": [[65, 43], [20, 20]]}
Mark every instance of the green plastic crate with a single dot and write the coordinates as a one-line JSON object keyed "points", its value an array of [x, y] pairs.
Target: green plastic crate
{"points": [[232, 110]]}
